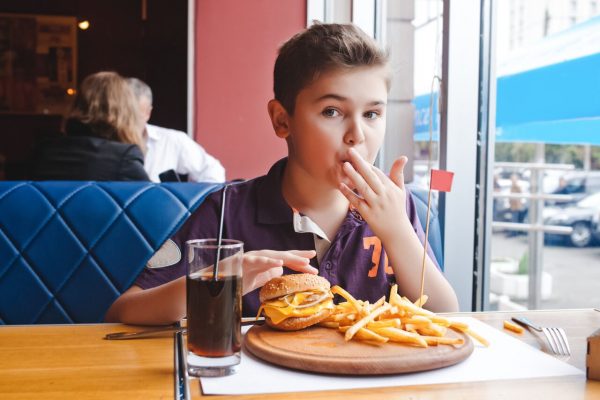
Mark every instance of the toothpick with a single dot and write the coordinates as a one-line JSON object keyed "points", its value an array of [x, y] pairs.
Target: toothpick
{"points": [[429, 161], [425, 246]]}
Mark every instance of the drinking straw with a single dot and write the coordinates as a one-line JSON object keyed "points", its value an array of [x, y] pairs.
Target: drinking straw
{"points": [[220, 237]]}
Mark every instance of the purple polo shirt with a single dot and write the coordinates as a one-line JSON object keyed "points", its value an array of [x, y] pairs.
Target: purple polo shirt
{"points": [[257, 214]]}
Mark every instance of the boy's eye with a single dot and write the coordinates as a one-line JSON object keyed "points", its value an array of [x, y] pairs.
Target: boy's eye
{"points": [[331, 112], [371, 114]]}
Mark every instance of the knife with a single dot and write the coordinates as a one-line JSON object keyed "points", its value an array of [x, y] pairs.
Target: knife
{"points": [[172, 328]]}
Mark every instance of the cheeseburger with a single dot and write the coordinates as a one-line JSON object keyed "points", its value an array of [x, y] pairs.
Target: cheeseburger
{"points": [[297, 301]]}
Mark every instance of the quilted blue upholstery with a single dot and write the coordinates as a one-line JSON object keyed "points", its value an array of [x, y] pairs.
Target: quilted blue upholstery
{"points": [[435, 232], [68, 249]]}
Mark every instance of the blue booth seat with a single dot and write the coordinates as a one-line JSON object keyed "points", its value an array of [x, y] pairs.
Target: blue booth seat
{"points": [[69, 249], [435, 231]]}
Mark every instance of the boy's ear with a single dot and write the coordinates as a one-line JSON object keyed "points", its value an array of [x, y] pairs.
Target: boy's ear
{"points": [[279, 118]]}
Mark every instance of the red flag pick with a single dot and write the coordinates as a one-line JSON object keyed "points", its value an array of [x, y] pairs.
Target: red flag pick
{"points": [[441, 180]]}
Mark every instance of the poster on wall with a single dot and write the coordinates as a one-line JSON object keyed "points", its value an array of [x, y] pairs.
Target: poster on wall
{"points": [[38, 59]]}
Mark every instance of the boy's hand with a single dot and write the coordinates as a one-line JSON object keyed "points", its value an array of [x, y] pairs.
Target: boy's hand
{"points": [[262, 265], [381, 201]]}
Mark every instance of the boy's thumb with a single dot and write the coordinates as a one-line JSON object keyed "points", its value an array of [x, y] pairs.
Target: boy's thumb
{"points": [[397, 171]]}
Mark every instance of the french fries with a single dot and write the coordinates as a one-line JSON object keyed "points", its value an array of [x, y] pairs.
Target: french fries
{"points": [[513, 327], [365, 320], [399, 321]]}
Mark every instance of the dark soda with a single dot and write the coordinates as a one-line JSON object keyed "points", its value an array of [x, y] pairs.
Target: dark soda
{"points": [[214, 315]]}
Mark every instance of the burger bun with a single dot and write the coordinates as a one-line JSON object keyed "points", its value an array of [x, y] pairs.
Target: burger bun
{"points": [[287, 284], [297, 323]]}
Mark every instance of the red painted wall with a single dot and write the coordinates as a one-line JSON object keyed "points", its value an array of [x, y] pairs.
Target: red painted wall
{"points": [[236, 47]]}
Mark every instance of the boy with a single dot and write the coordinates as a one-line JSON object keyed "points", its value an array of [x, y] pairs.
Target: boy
{"points": [[326, 198]]}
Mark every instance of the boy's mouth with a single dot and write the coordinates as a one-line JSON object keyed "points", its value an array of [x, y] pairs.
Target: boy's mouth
{"points": [[346, 157], [344, 162], [349, 161]]}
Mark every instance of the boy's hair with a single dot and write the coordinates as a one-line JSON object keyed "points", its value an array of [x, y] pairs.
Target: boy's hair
{"points": [[318, 49]]}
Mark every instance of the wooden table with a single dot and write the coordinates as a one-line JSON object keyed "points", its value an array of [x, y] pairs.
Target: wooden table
{"points": [[578, 324], [73, 361]]}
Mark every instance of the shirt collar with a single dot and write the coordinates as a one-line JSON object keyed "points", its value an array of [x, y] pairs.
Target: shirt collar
{"points": [[151, 132], [303, 224], [271, 206]]}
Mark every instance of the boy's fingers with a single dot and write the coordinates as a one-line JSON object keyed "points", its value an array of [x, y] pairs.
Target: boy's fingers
{"points": [[355, 200], [304, 253], [366, 170], [362, 187], [260, 279], [266, 276], [282, 254], [381, 175], [397, 171], [292, 257], [304, 268], [263, 263], [267, 270], [270, 274], [298, 260]]}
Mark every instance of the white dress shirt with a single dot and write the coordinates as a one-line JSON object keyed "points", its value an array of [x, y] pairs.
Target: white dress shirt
{"points": [[170, 149]]}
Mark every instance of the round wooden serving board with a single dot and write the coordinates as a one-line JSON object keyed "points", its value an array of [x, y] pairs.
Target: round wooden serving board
{"points": [[324, 350]]}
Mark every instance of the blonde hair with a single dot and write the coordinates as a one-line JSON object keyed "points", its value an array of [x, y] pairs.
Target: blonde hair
{"points": [[106, 103]]}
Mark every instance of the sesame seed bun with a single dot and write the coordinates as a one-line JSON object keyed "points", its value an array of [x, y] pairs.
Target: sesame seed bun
{"points": [[293, 283]]}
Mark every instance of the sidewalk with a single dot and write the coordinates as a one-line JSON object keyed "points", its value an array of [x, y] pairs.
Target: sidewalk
{"points": [[575, 271]]}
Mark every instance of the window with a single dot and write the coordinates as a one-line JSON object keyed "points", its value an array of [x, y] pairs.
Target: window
{"points": [[543, 247]]}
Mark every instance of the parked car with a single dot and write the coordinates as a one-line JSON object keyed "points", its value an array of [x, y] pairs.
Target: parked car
{"points": [[579, 184], [579, 216], [596, 225], [576, 183]]}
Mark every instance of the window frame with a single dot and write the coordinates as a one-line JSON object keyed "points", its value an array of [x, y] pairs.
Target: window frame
{"points": [[465, 135]]}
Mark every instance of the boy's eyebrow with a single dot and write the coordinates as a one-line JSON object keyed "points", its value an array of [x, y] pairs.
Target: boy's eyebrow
{"points": [[342, 98]]}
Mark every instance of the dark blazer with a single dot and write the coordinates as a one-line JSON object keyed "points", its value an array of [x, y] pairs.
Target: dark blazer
{"points": [[81, 155]]}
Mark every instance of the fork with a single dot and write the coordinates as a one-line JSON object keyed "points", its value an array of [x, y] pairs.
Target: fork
{"points": [[557, 338]]}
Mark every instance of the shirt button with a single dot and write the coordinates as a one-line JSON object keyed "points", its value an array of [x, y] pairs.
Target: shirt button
{"points": [[328, 265]]}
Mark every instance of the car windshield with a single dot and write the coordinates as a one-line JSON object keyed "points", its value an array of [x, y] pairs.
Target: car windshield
{"points": [[574, 186], [592, 201]]}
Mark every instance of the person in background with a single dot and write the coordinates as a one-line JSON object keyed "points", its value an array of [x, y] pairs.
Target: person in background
{"points": [[102, 140], [562, 187], [169, 149], [497, 202], [516, 205], [325, 208]]}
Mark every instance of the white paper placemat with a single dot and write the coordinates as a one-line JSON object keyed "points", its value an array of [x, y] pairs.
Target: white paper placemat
{"points": [[506, 358]]}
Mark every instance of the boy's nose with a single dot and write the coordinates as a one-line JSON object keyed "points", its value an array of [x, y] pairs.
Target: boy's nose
{"points": [[354, 133]]}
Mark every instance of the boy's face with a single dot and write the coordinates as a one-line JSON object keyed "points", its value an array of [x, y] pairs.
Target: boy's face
{"points": [[341, 109]]}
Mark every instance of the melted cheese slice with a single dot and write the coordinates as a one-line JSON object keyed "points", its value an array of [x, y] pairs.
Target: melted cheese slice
{"points": [[278, 310]]}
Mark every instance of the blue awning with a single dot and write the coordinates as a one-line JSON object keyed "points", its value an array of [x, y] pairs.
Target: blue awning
{"points": [[558, 104], [557, 101], [421, 104]]}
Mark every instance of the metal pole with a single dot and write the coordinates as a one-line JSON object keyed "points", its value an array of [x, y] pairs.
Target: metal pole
{"points": [[536, 237], [587, 157], [535, 227]]}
